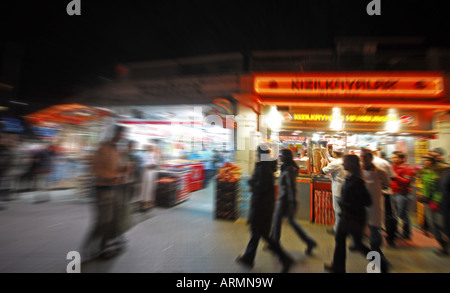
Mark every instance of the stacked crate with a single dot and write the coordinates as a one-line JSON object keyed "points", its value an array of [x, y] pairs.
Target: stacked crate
{"points": [[227, 200]]}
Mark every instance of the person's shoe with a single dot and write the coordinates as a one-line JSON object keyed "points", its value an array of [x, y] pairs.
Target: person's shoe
{"points": [[441, 252], [119, 246], [268, 248], [385, 267], [391, 243], [353, 247], [85, 258], [120, 240], [244, 262], [146, 206], [330, 231], [108, 253], [404, 236], [310, 247], [287, 264], [328, 267]]}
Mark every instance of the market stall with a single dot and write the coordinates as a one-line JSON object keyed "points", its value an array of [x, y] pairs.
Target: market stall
{"points": [[185, 140], [383, 111], [315, 188], [72, 132]]}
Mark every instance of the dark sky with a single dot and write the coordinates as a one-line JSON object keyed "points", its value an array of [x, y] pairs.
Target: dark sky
{"points": [[62, 53]]}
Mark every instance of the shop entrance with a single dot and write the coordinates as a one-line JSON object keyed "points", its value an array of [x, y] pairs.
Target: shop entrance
{"points": [[191, 142]]}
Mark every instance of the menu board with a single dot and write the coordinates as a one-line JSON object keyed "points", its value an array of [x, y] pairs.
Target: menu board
{"points": [[420, 149]]}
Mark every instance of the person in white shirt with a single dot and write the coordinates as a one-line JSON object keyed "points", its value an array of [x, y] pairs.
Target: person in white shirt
{"points": [[376, 180], [389, 213], [336, 171], [148, 189]]}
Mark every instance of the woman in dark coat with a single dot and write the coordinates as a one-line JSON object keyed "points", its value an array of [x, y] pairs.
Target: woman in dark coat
{"points": [[353, 219], [286, 205], [261, 211]]}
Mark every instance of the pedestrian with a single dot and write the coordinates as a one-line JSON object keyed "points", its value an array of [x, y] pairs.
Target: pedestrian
{"points": [[335, 169], [150, 160], [135, 170], [207, 157], [401, 188], [43, 171], [286, 205], [261, 211], [376, 180], [217, 159], [390, 215], [125, 192], [6, 165], [10, 165], [440, 154], [109, 170], [432, 197], [355, 198]]}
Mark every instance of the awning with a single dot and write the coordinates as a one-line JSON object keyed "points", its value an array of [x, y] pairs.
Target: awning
{"points": [[74, 114]]}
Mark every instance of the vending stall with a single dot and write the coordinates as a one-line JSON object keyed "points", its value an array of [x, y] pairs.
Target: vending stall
{"points": [[72, 132], [350, 110], [185, 141]]}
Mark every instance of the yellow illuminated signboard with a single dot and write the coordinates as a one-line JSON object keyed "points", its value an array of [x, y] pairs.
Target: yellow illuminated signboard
{"points": [[345, 118]]}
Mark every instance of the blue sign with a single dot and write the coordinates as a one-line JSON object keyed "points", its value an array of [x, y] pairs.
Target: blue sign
{"points": [[44, 131], [11, 124]]}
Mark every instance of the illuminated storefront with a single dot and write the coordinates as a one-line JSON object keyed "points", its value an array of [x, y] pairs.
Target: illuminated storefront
{"points": [[380, 110]]}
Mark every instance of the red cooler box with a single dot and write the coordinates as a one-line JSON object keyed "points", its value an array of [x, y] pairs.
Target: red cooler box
{"points": [[196, 176]]}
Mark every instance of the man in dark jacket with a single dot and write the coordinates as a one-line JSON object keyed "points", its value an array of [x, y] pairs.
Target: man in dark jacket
{"points": [[262, 205], [353, 218]]}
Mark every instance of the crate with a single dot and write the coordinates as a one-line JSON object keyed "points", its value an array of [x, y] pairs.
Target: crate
{"points": [[226, 202]]}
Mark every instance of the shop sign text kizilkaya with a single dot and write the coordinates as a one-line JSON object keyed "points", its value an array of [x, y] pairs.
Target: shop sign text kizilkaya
{"points": [[423, 85]]}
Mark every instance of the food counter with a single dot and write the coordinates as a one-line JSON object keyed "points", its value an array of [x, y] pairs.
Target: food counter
{"points": [[314, 198], [177, 179], [195, 169], [172, 187]]}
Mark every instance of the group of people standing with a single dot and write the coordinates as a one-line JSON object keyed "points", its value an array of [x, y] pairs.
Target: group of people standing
{"points": [[26, 169], [435, 177], [363, 187], [369, 192]]}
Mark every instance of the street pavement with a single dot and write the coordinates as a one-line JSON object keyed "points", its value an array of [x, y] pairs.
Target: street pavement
{"points": [[37, 237]]}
